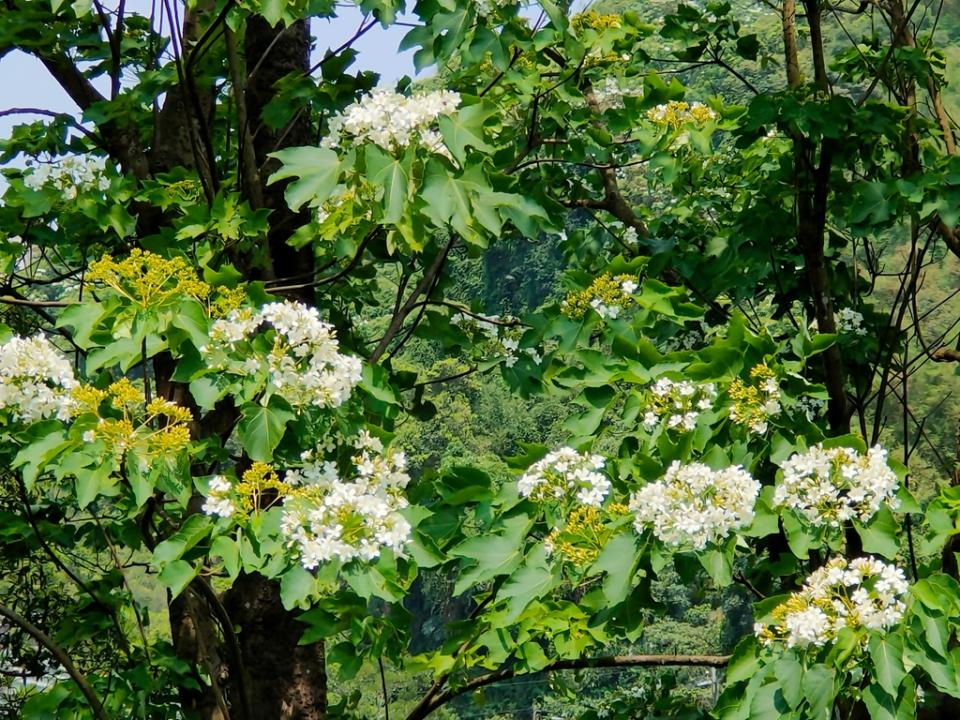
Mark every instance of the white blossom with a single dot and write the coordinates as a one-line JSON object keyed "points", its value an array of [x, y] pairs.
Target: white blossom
{"points": [[71, 175], [500, 335], [393, 121], [305, 365], [864, 593], [344, 519], [218, 500], [829, 486], [850, 321], [694, 505], [563, 473], [35, 380]]}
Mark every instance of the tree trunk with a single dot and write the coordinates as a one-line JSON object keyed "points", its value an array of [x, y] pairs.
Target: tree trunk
{"points": [[286, 680]]}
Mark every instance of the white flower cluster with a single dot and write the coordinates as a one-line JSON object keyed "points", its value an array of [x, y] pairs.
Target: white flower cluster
{"points": [[336, 519], [72, 174], [305, 365], [35, 380], [505, 339], [680, 403], [811, 407], [393, 121], [829, 486], [865, 593], [566, 472], [694, 505], [218, 500], [850, 321]]}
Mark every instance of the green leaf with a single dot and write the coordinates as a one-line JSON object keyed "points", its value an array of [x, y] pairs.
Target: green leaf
{"points": [[141, 480], [261, 428], [870, 205], [799, 537], [448, 202], [768, 703], [272, 10], [317, 170], [460, 484], [881, 536], [191, 318], [886, 651], [92, 482], [83, 318], [296, 587], [819, 684], [790, 672], [206, 392], [34, 457], [938, 592], [194, 529], [494, 554], [718, 562], [535, 578], [618, 560], [177, 575], [879, 704], [765, 518], [466, 129], [227, 550], [393, 176], [743, 663]]}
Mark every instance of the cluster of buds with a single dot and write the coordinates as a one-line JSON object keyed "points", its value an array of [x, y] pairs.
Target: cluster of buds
{"points": [[755, 403], [126, 422], [607, 296], [675, 114]]}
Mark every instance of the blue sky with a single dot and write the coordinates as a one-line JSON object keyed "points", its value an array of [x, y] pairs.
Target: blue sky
{"points": [[28, 84]]}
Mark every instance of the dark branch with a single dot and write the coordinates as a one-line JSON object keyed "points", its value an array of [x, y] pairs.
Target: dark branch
{"points": [[61, 656]]}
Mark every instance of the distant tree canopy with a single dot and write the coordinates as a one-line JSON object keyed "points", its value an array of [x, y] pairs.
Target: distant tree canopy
{"points": [[625, 339]]}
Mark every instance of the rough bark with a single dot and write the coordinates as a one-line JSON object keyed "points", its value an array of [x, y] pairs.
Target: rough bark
{"points": [[272, 53], [286, 680], [812, 183]]}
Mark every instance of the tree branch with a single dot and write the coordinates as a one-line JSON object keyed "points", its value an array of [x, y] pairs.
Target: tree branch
{"points": [[61, 656], [475, 683], [396, 323]]}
